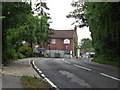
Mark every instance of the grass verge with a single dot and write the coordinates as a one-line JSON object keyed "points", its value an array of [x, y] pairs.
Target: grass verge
{"points": [[107, 62], [34, 83]]}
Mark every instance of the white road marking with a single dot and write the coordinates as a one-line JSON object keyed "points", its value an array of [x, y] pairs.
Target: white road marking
{"points": [[40, 71], [67, 62], [50, 82], [82, 67], [37, 69], [42, 75], [53, 85], [110, 76]]}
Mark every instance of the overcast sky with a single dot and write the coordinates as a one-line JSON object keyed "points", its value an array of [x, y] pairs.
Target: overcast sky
{"points": [[58, 11]]}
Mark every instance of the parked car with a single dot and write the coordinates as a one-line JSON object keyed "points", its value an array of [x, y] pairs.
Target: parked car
{"points": [[90, 54]]}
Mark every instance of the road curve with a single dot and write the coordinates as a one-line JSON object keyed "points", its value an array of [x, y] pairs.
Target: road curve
{"points": [[76, 73]]}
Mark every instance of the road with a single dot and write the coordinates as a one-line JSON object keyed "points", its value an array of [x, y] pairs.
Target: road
{"points": [[76, 73]]}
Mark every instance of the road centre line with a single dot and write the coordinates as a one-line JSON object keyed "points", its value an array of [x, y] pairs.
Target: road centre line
{"points": [[67, 62], [93, 71], [78, 65], [110, 76], [82, 67]]}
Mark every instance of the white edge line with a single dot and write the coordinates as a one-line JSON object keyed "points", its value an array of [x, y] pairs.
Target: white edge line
{"points": [[50, 82], [40, 72], [82, 67], [110, 76], [34, 70], [43, 75], [45, 78]]}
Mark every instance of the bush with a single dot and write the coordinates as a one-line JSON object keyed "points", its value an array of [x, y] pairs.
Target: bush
{"points": [[21, 56], [107, 62], [9, 54], [25, 50]]}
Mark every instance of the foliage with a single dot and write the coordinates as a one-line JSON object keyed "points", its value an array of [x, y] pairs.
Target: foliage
{"points": [[33, 83], [11, 54], [43, 33], [76, 48], [15, 14], [103, 19], [25, 50], [21, 56], [19, 25], [108, 62], [86, 45]]}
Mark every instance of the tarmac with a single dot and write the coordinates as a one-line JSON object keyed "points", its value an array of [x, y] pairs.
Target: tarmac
{"points": [[10, 74]]}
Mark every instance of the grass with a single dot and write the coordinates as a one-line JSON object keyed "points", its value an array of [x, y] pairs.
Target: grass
{"points": [[34, 83], [107, 62]]}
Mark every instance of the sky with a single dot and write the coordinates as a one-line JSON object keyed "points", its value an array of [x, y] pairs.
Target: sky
{"points": [[58, 11]]}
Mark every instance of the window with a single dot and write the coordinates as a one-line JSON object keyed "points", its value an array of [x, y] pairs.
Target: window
{"points": [[66, 41], [67, 52], [53, 41]]}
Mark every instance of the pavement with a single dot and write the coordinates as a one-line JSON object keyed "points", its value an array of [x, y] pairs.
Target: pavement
{"points": [[11, 73]]}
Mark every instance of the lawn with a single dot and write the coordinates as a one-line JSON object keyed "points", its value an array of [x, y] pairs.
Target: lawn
{"points": [[34, 83], [107, 62]]}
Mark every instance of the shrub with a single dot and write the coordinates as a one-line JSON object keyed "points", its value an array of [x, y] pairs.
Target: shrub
{"points": [[9, 54], [20, 56], [25, 50]]}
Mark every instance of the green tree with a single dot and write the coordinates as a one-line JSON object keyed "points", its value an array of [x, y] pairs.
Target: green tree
{"points": [[20, 25], [86, 45], [103, 19], [43, 33]]}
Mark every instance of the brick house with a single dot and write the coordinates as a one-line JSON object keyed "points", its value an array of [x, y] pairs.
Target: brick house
{"points": [[62, 43]]}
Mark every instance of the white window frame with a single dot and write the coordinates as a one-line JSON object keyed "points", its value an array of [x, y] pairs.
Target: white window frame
{"points": [[66, 41], [53, 41]]}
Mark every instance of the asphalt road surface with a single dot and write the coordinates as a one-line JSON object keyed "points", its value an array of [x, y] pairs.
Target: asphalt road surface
{"points": [[76, 73]]}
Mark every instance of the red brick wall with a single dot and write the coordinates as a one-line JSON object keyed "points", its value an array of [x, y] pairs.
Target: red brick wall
{"points": [[59, 45]]}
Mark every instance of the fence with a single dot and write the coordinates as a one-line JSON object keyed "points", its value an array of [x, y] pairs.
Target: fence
{"points": [[57, 54]]}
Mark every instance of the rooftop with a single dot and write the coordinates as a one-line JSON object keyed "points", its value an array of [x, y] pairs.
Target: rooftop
{"points": [[63, 33]]}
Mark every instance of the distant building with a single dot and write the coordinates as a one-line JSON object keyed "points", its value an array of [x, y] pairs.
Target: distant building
{"points": [[62, 43]]}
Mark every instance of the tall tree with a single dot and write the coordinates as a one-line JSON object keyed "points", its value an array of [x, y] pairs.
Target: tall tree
{"points": [[103, 19], [86, 45], [20, 25]]}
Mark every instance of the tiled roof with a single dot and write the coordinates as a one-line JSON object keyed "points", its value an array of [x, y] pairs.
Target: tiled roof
{"points": [[62, 34]]}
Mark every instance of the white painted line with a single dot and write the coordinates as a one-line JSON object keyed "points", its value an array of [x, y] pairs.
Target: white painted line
{"points": [[37, 69], [40, 71], [42, 75], [50, 82], [110, 76], [82, 67], [45, 78], [34, 70], [67, 62], [63, 59]]}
